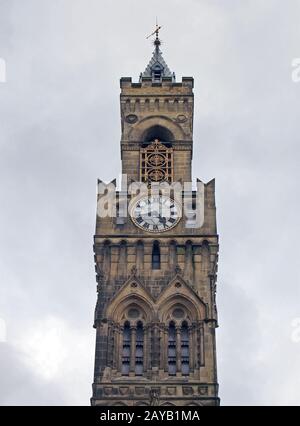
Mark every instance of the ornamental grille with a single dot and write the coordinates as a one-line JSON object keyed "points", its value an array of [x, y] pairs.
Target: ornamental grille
{"points": [[156, 163]]}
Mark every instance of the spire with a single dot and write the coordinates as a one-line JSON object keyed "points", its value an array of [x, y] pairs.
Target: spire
{"points": [[157, 67]]}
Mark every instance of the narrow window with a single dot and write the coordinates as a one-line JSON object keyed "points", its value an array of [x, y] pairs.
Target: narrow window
{"points": [[157, 72], [126, 349], [139, 351], [185, 360], [157, 75], [155, 255], [172, 350]]}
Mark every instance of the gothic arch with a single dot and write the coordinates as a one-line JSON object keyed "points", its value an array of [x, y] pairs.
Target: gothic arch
{"points": [[179, 301], [121, 307], [132, 292], [139, 130], [178, 292]]}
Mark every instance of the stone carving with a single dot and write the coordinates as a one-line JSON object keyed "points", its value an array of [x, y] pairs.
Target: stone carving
{"points": [[108, 390], [134, 271], [171, 390], [131, 118], [178, 270], [154, 396], [187, 390], [181, 118], [106, 374], [124, 390], [203, 390], [140, 390]]}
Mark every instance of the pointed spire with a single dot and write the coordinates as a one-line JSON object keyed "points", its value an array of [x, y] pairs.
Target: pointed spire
{"points": [[157, 67]]}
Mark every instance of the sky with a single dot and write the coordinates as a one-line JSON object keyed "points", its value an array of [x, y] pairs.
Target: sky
{"points": [[60, 131]]}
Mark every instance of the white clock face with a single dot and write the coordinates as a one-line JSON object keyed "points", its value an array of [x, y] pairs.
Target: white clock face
{"points": [[155, 213]]}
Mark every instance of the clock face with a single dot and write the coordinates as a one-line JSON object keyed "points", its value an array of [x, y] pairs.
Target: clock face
{"points": [[155, 213]]}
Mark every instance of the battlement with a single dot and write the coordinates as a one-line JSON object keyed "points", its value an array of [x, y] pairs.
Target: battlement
{"points": [[185, 87]]}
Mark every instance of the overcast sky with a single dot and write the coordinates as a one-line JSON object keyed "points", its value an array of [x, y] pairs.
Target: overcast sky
{"points": [[60, 131]]}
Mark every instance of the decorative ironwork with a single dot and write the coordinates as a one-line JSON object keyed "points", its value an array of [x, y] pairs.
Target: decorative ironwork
{"points": [[156, 163]]}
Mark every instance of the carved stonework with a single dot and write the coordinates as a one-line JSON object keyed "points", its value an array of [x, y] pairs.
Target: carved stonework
{"points": [[140, 390], [156, 314], [124, 390], [187, 390], [154, 396], [171, 390], [134, 271], [178, 270], [203, 390], [100, 278]]}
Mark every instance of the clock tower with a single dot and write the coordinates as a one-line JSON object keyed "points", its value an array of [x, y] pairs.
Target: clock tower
{"points": [[156, 263]]}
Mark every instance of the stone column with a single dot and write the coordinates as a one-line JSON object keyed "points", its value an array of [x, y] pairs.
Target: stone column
{"points": [[166, 348], [188, 267], [132, 348], [109, 360], [120, 349], [195, 346], [145, 350], [161, 338], [122, 264], [191, 348], [106, 259], [139, 257], [178, 349], [155, 346], [117, 347], [201, 344], [149, 346], [172, 256]]}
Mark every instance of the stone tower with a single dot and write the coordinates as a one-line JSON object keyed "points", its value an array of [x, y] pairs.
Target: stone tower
{"points": [[156, 316]]}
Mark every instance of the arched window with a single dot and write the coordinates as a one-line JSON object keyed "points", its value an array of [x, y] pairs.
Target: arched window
{"points": [[155, 255], [139, 350], [172, 350], [126, 349], [157, 73], [185, 360]]}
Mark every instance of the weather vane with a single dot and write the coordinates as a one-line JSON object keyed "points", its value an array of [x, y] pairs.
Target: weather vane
{"points": [[158, 27]]}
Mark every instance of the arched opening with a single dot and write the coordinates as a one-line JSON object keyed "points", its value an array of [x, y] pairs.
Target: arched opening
{"points": [[185, 359], [139, 350], [155, 255], [157, 132], [172, 349], [126, 349], [157, 73]]}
